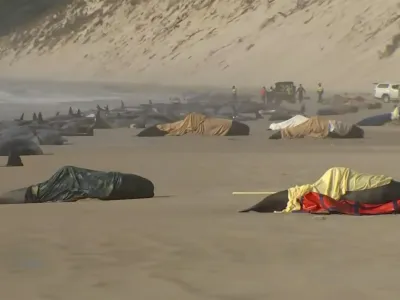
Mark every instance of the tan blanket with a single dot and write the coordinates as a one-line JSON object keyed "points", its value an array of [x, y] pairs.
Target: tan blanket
{"points": [[314, 127], [197, 124]]}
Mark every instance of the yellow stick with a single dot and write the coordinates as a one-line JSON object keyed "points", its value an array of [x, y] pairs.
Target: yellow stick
{"points": [[253, 193]]}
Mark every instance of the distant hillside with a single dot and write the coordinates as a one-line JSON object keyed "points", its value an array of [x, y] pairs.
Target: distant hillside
{"points": [[344, 44]]}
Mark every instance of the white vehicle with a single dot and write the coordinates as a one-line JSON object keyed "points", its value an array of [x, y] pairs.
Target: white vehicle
{"points": [[387, 92]]}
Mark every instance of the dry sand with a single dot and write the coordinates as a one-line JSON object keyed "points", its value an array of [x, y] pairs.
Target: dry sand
{"points": [[189, 242], [345, 44]]}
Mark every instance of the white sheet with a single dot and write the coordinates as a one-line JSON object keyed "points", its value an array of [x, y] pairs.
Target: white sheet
{"points": [[296, 120]]}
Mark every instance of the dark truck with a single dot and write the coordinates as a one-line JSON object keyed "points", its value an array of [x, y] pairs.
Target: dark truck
{"points": [[285, 91]]}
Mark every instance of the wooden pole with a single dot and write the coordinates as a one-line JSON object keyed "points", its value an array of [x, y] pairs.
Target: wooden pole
{"points": [[253, 193]]}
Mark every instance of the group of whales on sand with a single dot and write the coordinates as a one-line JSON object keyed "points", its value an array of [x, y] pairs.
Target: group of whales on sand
{"points": [[160, 119], [339, 190]]}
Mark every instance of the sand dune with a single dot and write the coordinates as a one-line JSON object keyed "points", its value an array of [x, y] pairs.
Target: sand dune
{"points": [[345, 44]]}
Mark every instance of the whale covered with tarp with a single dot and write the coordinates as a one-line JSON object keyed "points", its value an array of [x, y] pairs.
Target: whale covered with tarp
{"points": [[292, 122], [197, 124], [318, 127], [70, 184], [339, 190]]}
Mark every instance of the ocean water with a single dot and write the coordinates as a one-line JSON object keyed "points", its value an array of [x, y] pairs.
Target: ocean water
{"points": [[24, 92], [43, 96], [17, 97]]}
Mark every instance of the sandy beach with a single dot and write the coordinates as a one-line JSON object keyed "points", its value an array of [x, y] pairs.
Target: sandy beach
{"points": [[189, 242]]}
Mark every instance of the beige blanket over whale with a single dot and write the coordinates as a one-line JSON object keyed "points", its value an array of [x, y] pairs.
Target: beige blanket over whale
{"points": [[195, 123], [316, 127]]}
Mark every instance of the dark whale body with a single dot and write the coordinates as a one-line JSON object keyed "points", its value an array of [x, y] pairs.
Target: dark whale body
{"points": [[379, 195], [354, 133], [70, 184], [377, 120], [20, 146], [337, 110]]}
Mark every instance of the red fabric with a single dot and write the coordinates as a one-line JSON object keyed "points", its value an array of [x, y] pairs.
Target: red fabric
{"points": [[262, 92], [317, 203]]}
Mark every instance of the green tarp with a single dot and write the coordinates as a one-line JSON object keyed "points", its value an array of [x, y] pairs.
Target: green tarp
{"points": [[70, 184]]}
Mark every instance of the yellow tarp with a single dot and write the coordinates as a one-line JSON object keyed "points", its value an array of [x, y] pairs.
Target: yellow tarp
{"points": [[197, 124], [335, 183], [395, 115]]}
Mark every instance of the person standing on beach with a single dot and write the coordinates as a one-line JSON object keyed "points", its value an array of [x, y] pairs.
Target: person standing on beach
{"points": [[271, 95], [300, 93], [263, 94], [320, 92], [234, 94]]}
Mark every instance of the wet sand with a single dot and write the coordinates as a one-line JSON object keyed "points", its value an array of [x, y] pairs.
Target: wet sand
{"points": [[189, 242]]}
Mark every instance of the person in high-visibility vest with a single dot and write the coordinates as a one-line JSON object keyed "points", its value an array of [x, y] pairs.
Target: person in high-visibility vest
{"points": [[234, 93], [320, 92], [271, 95]]}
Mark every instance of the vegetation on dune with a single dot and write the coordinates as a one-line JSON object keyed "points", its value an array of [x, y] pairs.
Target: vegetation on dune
{"points": [[391, 48], [43, 24], [17, 14]]}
